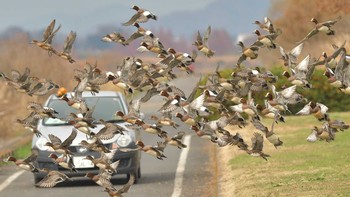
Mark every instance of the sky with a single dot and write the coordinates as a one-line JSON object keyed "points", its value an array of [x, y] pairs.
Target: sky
{"points": [[82, 15]]}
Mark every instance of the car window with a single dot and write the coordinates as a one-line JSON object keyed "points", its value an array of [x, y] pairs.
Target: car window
{"points": [[105, 109]]}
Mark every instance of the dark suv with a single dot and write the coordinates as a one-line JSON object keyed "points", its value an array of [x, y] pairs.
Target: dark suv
{"points": [[107, 103]]}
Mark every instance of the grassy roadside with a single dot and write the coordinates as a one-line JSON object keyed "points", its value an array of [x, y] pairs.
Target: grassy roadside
{"points": [[20, 153], [298, 168]]}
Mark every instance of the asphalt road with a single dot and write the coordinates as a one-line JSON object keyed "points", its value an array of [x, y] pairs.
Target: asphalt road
{"points": [[158, 177]]}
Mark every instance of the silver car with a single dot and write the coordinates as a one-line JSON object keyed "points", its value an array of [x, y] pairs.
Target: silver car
{"points": [[107, 103]]}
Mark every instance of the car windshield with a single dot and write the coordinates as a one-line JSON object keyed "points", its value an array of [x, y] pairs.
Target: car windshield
{"points": [[105, 109]]}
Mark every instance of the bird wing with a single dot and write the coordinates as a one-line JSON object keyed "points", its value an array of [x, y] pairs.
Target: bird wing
{"points": [[303, 66], [258, 125], [127, 186], [49, 30], [309, 35], [198, 102], [70, 139], [179, 135], [33, 156], [305, 111], [36, 106], [49, 39], [310, 71], [48, 181], [341, 67], [132, 19], [331, 22], [151, 92], [51, 179], [199, 38], [288, 92], [177, 91], [241, 59], [323, 107], [134, 36], [283, 53], [25, 75], [54, 139], [295, 52], [108, 156], [206, 36], [69, 42], [257, 142]]}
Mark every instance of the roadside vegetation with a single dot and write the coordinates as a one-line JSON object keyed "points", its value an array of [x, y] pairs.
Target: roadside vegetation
{"points": [[20, 153], [298, 168]]}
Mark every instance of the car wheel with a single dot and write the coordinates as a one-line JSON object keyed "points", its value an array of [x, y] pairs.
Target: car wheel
{"points": [[139, 172], [37, 179]]}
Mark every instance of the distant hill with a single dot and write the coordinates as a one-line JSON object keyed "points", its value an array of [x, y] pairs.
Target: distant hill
{"points": [[234, 16]]}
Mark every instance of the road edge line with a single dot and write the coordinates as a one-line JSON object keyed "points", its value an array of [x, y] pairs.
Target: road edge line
{"points": [[10, 179], [181, 167]]}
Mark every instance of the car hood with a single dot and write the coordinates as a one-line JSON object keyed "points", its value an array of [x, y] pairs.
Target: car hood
{"points": [[64, 131]]}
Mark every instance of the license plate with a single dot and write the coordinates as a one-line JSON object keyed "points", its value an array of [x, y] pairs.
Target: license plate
{"points": [[81, 162]]}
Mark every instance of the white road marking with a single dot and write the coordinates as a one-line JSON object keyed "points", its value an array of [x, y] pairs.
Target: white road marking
{"points": [[10, 179], [181, 168]]}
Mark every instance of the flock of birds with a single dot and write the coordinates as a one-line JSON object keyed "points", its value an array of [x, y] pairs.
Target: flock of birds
{"points": [[209, 108]]}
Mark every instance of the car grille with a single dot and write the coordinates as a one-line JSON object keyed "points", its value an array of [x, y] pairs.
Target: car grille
{"points": [[74, 149], [122, 163]]}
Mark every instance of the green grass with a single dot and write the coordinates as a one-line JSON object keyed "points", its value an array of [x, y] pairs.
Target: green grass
{"points": [[23, 152], [20, 153], [298, 168]]}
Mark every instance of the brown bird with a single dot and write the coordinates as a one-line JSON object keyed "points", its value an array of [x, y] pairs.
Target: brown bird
{"points": [[66, 54], [154, 151], [324, 27], [139, 33], [97, 146], [104, 164], [102, 179], [118, 193], [49, 33], [152, 129], [29, 123], [264, 40], [26, 164], [141, 16], [65, 162], [269, 134], [109, 130], [251, 52], [228, 139], [61, 147], [318, 110], [338, 124], [114, 37], [290, 58], [165, 120], [42, 112], [257, 146], [175, 140], [202, 43], [52, 178]]}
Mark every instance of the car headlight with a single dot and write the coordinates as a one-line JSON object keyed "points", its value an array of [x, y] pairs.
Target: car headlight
{"points": [[40, 143], [123, 140]]}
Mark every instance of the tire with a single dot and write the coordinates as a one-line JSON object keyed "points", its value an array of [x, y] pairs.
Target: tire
{"points": [[139, 172], [37, 179]]}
